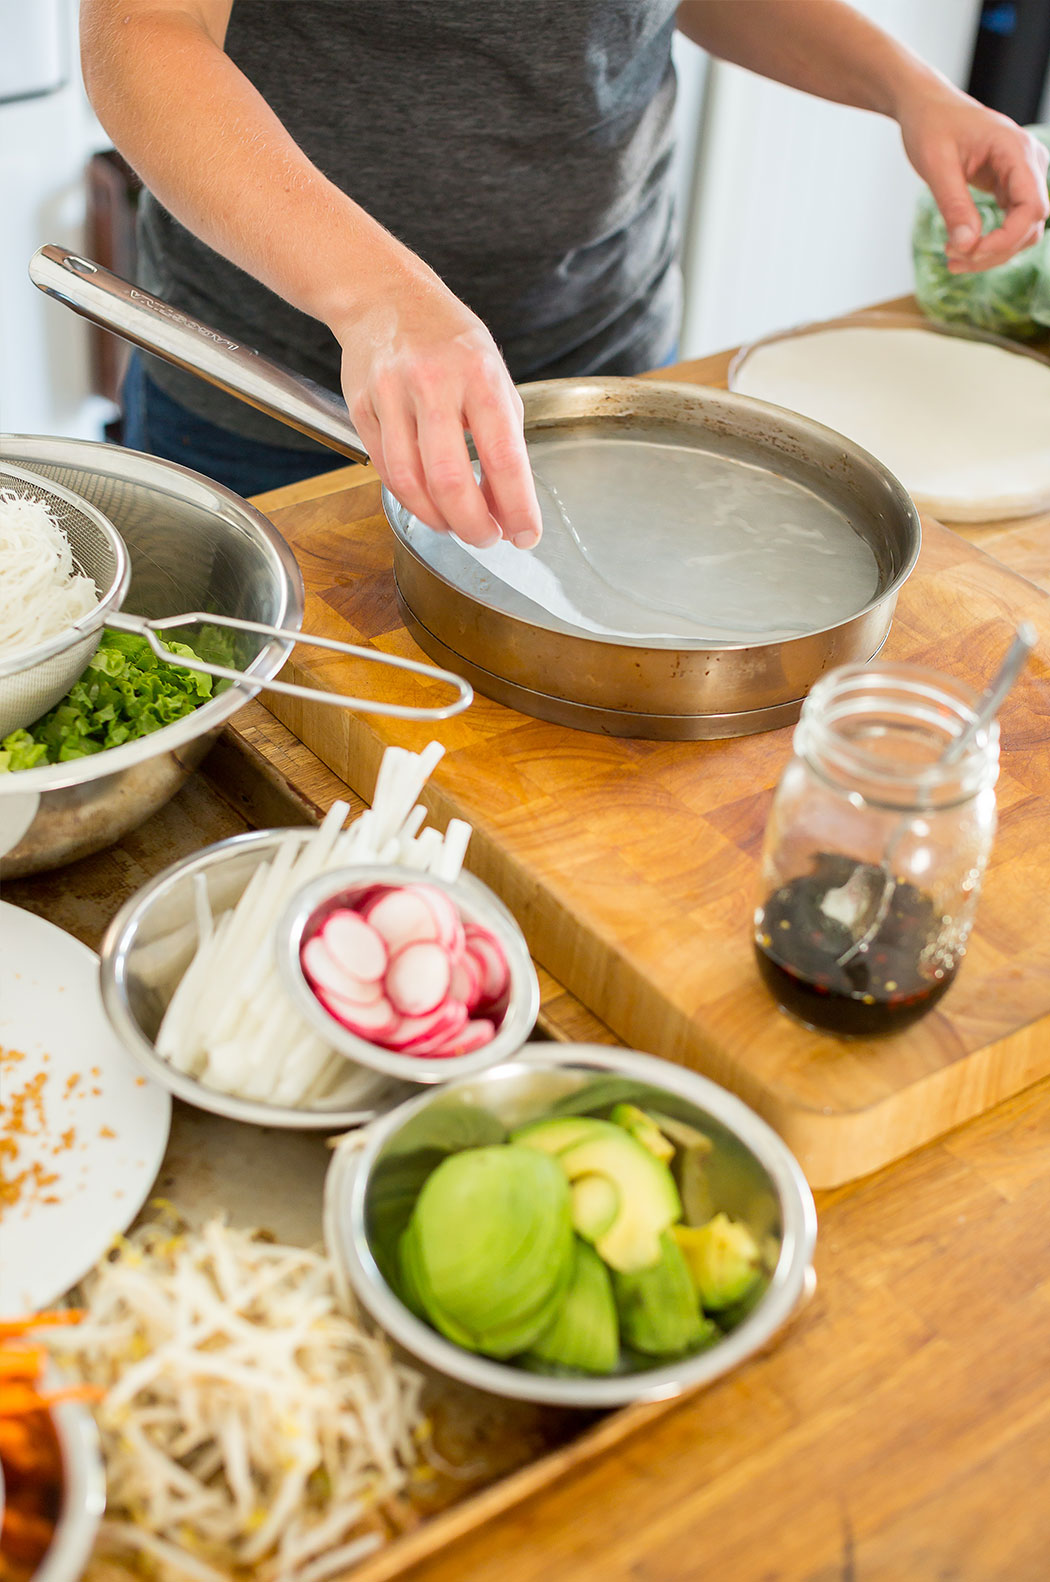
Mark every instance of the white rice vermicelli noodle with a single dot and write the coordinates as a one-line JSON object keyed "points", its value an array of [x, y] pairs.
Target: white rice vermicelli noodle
{"points": [[41, 591]]}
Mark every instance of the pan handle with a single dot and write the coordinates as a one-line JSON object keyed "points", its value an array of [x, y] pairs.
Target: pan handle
{"points": [[127, 310], [122, 621]]}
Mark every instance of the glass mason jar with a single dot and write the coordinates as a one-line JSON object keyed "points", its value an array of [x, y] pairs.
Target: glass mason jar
{"points": [[875, 848]]}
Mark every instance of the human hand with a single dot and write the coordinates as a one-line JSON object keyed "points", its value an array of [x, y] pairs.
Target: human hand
{"points": [[955, 142], [418, 369]]}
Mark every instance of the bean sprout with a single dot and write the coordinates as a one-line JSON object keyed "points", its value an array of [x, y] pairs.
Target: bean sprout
{"points": [[249, 1424]]}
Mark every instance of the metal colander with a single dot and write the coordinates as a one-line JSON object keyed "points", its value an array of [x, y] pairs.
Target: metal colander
{"points": [[34, 680]]}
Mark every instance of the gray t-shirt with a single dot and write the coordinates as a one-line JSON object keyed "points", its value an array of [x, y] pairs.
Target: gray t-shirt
{"points": [[521, 147]]}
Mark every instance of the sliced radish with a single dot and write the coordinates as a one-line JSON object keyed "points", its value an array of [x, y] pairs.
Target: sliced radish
{"points": [[418, 977], [487, 952], [445, 914], [413, 1031], [475, 1035], [466, 980], [402, 918], [354, 945], [370, 1022], [324, 973]]}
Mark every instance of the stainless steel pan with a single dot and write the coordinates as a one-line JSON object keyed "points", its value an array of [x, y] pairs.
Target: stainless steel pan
{"points": [[820, 537]]}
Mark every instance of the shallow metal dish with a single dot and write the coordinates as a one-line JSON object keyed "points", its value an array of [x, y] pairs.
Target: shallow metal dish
{"points": [[148, 946], [512, 649], [753, 1177], [477, 904], [193, 545]]}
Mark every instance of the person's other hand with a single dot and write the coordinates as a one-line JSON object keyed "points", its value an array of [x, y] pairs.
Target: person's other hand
{"points": [[953, 141], [418, 369]]}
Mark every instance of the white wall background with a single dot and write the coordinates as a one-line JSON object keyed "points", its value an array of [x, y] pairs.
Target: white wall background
{"points": [[800, 209], [47, 134]]}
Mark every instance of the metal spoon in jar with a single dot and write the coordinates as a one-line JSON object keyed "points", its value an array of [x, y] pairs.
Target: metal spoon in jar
{"points": [[850, 902]]}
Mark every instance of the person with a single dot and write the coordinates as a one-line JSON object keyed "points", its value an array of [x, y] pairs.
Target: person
{"points": [[427, 201]]}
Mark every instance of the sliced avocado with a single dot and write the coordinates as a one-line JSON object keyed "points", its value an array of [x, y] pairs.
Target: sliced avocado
{"points": [[408, 1274], [595, 1205], [694, 1186], [584, 1334], [489, 1248], [417, 1295], [681, 1133], [645, 1129], [557, 1133], [658, 1309], [723, 1259], [512, 1338], [648, 1197]]}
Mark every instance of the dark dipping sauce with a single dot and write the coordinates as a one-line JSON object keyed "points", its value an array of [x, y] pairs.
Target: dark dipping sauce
{"points": [[882, 989]]}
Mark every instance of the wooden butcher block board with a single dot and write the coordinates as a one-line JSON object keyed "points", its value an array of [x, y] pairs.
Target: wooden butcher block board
{"points": [[632, 865]]}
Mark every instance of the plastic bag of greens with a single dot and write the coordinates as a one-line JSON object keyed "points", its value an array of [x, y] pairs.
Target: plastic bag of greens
{"points": [[1013, 299]]}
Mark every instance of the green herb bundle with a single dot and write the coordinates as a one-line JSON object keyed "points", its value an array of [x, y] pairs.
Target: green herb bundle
{"points": [[1011, 300]]}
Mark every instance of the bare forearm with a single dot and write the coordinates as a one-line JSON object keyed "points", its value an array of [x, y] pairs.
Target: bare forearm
{"points": [[213, 152], [822, 47], [418, 367]]}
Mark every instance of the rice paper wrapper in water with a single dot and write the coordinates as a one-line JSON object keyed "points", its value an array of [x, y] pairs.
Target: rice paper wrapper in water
{"points": [[1012, 300]]}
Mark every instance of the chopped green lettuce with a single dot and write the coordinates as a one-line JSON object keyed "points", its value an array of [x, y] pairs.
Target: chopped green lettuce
{"points": [[125, 692], [1011, 300]]}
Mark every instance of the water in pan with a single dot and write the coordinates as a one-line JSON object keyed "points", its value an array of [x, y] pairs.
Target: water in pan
{"points": [[647, 539]]}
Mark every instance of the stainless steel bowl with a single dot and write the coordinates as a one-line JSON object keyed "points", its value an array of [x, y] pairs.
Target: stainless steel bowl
{"points": [[148, 946], [83, 1495], [370, 1190], [193, 546], [477, 904]]}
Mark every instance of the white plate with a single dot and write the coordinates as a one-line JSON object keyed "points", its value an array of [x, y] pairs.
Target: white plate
{"points": [[96, 1125], [961, 419]]}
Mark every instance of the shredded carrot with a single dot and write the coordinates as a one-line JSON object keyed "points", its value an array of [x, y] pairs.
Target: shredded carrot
{"points": [[22, 1362], [11, 1327], [30, 1457], [17, 1399]]}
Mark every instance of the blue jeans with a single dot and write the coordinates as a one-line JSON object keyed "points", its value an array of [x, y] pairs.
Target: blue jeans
{"points": [[154, 423]]}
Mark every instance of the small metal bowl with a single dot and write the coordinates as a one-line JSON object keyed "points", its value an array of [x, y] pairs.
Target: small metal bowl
{"points": [[372, 1186], [148, 947], [193, 546], [476, 904], [83, 1495]]}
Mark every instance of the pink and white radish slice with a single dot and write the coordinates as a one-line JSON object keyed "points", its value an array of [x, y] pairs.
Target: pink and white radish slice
{"points": [[372, 1022], [419, 977], [402, 970], [474, 1035], [326, 973], [466, 980], [487, 953], [354, 945], [413, 1034], [450, 926], [402, 917]]}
